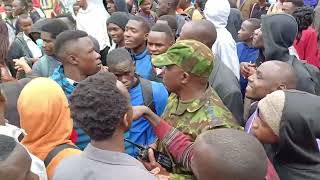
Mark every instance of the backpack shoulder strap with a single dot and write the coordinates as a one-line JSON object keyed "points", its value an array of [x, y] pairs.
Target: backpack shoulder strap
{"points": [[147, 93], [55, 151]]}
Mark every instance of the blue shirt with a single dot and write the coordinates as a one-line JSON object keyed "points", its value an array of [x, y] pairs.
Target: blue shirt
{"points": [[246, 54], [141, 131], [59, 77], [143, 64]]}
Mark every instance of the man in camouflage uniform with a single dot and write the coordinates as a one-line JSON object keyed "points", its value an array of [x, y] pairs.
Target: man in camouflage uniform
{"points": [[193, 106]]}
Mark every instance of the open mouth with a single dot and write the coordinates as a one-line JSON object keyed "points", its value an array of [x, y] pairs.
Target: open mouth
{"points": [[127, 41]]}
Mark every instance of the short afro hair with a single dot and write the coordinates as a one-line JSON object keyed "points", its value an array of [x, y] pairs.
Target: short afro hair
{"points": [[23, 17], [236, 151], [255, 23], [165, 28], [297, 3], [171, 20], [7, 145], [144, 23], [98, 106], [54, 27], [117, 56], [64, 38]]}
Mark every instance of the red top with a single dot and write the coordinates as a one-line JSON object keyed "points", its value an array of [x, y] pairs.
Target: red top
{"points": [[307, 47], [36, 3]]}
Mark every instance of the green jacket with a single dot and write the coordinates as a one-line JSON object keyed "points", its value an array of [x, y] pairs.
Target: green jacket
{"points": [[194, 117]]}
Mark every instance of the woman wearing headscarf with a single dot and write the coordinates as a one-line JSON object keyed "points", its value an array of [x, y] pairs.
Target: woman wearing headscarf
{"points": [[45, 117], [289, 121]]}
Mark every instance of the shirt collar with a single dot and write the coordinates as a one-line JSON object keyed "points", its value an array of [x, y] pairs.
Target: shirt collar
{"points": [[193, 105], [72, 81], [141, 55], [110, 157], [26, 38]]}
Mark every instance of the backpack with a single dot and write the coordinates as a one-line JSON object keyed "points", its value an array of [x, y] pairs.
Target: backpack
{"points": [[147, 93], [312, 70], [55, 151]]}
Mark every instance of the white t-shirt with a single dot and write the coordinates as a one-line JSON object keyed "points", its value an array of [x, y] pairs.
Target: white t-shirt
{"points": [[33, 47]]}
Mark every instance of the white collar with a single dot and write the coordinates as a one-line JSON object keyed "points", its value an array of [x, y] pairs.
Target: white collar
{"points": [[71, 81]]}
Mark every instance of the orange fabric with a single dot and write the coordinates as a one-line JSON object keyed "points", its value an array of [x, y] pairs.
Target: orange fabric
{"points": [[56, 160], [45, 116]]}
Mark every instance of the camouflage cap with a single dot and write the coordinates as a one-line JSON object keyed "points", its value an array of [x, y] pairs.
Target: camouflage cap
{"points": [[190, 55]]}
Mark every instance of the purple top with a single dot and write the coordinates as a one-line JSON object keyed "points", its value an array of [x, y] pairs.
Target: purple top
{"points": [[249, 123]]}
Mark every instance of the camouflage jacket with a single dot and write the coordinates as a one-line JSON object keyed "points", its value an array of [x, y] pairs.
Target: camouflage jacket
{"points": [[194, 117], [198, 115]]}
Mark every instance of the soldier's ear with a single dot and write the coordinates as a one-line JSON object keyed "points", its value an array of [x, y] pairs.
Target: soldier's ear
{"points": [[185, 78]]}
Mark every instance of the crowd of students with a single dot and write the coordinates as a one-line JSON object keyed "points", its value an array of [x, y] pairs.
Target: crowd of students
{"points": [[167, 89]]}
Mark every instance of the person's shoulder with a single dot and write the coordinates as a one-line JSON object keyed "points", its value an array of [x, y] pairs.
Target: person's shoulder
{"points": [[309, 32], [240, 44], [215, 102], [66, 167], [220, 115], [157, 85], [43, 59], [70, 155]]}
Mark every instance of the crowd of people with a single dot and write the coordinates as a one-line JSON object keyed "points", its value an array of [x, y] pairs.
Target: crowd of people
{"points": [[160, 89]]}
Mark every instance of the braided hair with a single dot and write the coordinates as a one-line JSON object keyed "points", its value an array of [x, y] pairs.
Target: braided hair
{"points": [[304, 17]]}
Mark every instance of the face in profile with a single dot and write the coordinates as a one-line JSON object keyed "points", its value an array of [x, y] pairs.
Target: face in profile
{"points": [[262, 131], [87, 59], [258, 39]]}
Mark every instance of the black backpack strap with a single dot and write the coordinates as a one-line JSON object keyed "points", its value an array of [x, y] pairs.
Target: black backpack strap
{"points": [[55, 151], [147, 94]]}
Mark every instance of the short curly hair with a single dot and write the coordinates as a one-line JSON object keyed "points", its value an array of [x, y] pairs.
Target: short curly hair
{"points": [[97, 105]]}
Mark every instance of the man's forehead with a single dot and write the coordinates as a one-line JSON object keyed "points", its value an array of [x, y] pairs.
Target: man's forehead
{"points": [[154, 34], [122, 66], [134, 24], [86, 41]]}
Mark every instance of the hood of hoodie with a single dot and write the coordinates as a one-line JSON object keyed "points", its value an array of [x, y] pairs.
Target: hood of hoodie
{"points": [[121, 5], [217, 11], [299, 128], [45, 116], [279, 32]]}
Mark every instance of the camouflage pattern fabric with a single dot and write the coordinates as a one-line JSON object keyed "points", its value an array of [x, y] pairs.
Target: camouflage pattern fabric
{"points": [[190, 55], [194, 117]]}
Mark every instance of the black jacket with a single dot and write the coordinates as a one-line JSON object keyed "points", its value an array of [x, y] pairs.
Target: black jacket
{"points": [[18, 49], [12, 91]]}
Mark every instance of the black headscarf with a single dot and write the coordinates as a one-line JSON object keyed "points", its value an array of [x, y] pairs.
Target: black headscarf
{"points": [[297, 155]]}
